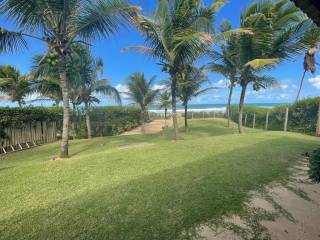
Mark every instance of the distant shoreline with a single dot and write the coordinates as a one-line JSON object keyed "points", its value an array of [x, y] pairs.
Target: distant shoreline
{"points": [[211, 107]]}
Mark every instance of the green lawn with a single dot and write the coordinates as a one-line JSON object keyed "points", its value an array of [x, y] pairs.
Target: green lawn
{"points": [[140, 187]]}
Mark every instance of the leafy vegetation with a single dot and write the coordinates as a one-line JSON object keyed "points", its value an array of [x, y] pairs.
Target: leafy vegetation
{"points": [[105, 120], [314, 170], [141, 187], [302, 116]]}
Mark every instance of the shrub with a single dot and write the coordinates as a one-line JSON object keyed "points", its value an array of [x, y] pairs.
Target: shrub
{"points": [[18, 117], [302, 116], [314, 171], [107, 121]]}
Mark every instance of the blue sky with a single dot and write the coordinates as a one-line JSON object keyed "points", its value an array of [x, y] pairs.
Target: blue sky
{"points": [[118, 66]]}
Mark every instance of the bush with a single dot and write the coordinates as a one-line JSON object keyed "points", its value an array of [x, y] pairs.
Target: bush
{"points": [[107, 121], [302, 116], [18, 117], [314, 171]]}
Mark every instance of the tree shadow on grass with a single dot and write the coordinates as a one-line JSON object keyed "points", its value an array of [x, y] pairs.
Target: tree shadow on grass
{"points": [[161, 205]]}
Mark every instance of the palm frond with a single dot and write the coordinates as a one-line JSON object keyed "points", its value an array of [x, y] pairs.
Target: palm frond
{"points": [[104, 18], [11, 41]]}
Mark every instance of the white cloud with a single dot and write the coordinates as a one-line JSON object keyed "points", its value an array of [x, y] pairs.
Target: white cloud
{"points": [[159, 86], [122, 88], [223, 83], [283, 86], [315, 82]]}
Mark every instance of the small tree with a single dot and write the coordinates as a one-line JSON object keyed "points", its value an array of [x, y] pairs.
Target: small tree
{"points": [[140, 91], [189, 86]]}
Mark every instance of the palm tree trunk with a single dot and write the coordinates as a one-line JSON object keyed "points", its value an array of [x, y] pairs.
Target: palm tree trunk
{"points": [[88, 120], [186, 116], [229, 105], [240, 110], [142, 120], [64, 150], [301, 83], [174, 105], [20, 104], [165, 117], [73, 122]]}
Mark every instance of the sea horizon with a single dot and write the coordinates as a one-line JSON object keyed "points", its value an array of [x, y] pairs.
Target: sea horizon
{"points": [[220, 107]]}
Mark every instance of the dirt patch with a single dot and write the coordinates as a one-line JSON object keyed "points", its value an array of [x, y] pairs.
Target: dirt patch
{"points": [[289, 211], [152, 127]]}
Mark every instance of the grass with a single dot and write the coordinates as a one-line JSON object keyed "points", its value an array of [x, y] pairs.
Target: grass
{"points": [[141, 187]]}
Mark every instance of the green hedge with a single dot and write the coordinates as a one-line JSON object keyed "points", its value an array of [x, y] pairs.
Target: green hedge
{"points": [[107, 121], [18, 117], [104, 120], [302, 116]]}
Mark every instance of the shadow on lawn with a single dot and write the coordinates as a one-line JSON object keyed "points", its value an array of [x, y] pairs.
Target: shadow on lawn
{"points": [[159, 206]]}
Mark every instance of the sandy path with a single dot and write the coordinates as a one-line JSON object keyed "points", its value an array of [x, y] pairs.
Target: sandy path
{"points": [[152, 127], [288, 211]]}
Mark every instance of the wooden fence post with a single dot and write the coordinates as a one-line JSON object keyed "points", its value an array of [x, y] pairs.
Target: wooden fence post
{"points": [[267, 120], [192, 114], [203, 114], [245, 120], [318, 122], [254, 121], [285, 128]]}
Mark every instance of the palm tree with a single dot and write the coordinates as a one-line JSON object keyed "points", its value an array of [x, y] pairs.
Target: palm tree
{"points": [[91, 86], [311, 39], [226, 63], [309, 64], [178, 34], [140, 91], [59, 25], [14, 84], [278, 28], [165, 102], [189, 86]]}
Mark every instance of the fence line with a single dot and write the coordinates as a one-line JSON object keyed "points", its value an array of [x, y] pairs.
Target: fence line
{"points": [[27, 136]]}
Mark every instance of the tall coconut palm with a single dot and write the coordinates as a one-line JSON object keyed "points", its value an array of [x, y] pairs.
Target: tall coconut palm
{"points": [[141, 92], [278, 28], [178, 34], [165, 102], [59, 24], [189, 86], [14, 84]]}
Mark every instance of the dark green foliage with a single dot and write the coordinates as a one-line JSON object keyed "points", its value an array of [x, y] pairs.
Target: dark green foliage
{"points": [[314, 160], [19, 116], [302, 116], [107, 121]]}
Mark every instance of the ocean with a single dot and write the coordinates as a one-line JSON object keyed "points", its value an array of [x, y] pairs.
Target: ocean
{"points": [[211, 107]]}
